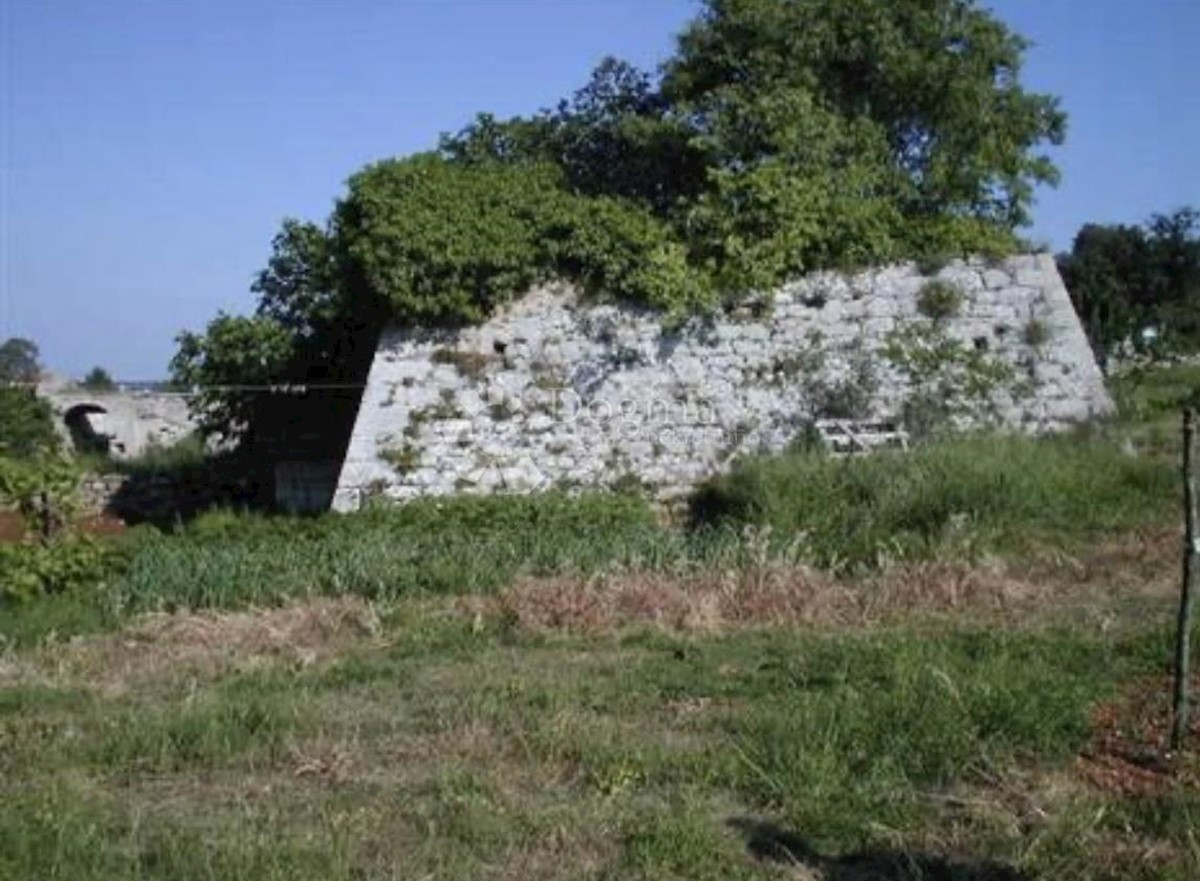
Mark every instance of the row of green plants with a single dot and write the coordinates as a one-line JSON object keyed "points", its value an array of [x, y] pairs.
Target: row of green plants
{"points": [[956, 497]]}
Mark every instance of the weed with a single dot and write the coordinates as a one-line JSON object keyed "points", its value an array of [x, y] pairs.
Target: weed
{"points": [[939, 300], [472, 365]]}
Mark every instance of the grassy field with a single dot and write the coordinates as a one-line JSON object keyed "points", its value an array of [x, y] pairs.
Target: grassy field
{"points": [[959, 672]]}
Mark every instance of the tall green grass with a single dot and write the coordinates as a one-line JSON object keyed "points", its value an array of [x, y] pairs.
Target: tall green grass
{"points": [[996, 492], [461, 545], [953, 498]]}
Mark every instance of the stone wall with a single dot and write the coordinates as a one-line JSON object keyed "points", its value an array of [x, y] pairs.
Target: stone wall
{"points": [[132, 421], [557, 392]]}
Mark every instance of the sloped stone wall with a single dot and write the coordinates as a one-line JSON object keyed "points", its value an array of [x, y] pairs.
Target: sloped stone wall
{"points": [[558, 392]]}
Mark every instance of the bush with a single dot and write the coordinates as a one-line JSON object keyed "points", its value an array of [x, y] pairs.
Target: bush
{"points": [[939, 300], [26, 423], [31, 570], [990, 491]]}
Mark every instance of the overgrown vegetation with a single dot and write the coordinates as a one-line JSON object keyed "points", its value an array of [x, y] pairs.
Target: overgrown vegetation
{"points": [[56, 557], [951, 385], [1137, 288], [563, 687], [779, 138], [26, 423], [962, 495]]}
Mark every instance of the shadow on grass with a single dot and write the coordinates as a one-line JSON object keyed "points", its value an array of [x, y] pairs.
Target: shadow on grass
{"points": [[767, 841]]}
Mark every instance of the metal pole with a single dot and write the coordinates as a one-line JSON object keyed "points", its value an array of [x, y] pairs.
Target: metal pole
{"points": [[1191, 564]]}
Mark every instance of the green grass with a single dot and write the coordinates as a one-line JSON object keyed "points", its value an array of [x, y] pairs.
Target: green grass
{"points": [[954, 499], [453, 744], [997, 493], [488, 754]]}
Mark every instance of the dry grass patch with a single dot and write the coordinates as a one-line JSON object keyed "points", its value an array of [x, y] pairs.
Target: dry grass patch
{"points": [[164, 647], [722, 601]]}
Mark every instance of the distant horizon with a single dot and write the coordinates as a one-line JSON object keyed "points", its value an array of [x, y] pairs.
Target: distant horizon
{"points": [[151, 150]]}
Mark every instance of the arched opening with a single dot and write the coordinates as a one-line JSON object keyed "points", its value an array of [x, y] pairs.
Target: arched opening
{"points": [[86, 437]]}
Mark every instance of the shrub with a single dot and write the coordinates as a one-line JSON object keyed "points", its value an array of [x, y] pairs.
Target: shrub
{"points": [[939, 300], [951, 384], [1036, 334], [472, 365], [43, 490], [403, 459], [75, 562], [26, 423]]}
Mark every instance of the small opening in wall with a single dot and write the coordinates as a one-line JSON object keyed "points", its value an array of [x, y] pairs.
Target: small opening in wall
{"points": [[499, 347], [816, 301], [981, 344], [1000, 330]]}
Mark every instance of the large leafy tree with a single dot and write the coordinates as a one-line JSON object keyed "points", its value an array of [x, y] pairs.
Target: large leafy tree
{"points": [[308, 330], [783, 136], [1138, 287], [936, 81]]}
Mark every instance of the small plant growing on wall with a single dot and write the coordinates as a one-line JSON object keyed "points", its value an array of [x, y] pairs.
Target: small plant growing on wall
{"points": [[1036, 333], [950, 382], [472, 365], [939, 300], [403, 459]]}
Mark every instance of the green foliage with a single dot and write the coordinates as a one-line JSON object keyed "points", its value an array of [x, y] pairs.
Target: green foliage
{"points": [[950, 383], [939, 300], [98, 380], [446, 243], [312, 325], [1151, 392], [1035, 334], [73, 563], [936, 83], [188, 454], [988, 491], [781, 137], [1127, 280], [614, 248], [19, 361], [43, 490], [26, 423], [402, 459], [472, 365], [454, 545], [228, 364]]}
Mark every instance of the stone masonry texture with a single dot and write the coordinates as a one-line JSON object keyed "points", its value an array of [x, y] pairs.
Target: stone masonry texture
{"points": [[555, 391]]}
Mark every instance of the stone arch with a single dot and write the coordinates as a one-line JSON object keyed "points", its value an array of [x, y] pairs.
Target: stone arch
{"points": [[85, 437]]}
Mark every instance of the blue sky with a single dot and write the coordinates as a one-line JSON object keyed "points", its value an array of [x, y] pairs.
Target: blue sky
{"points": [[149, 148]]}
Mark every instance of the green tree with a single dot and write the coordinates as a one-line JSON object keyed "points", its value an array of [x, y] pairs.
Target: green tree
{"points": [[938, 80], [19, 361], [98, 380], [308, 329], [230, 366], [1138, 287], [783, 136], [26, 420], [26, 423]]}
